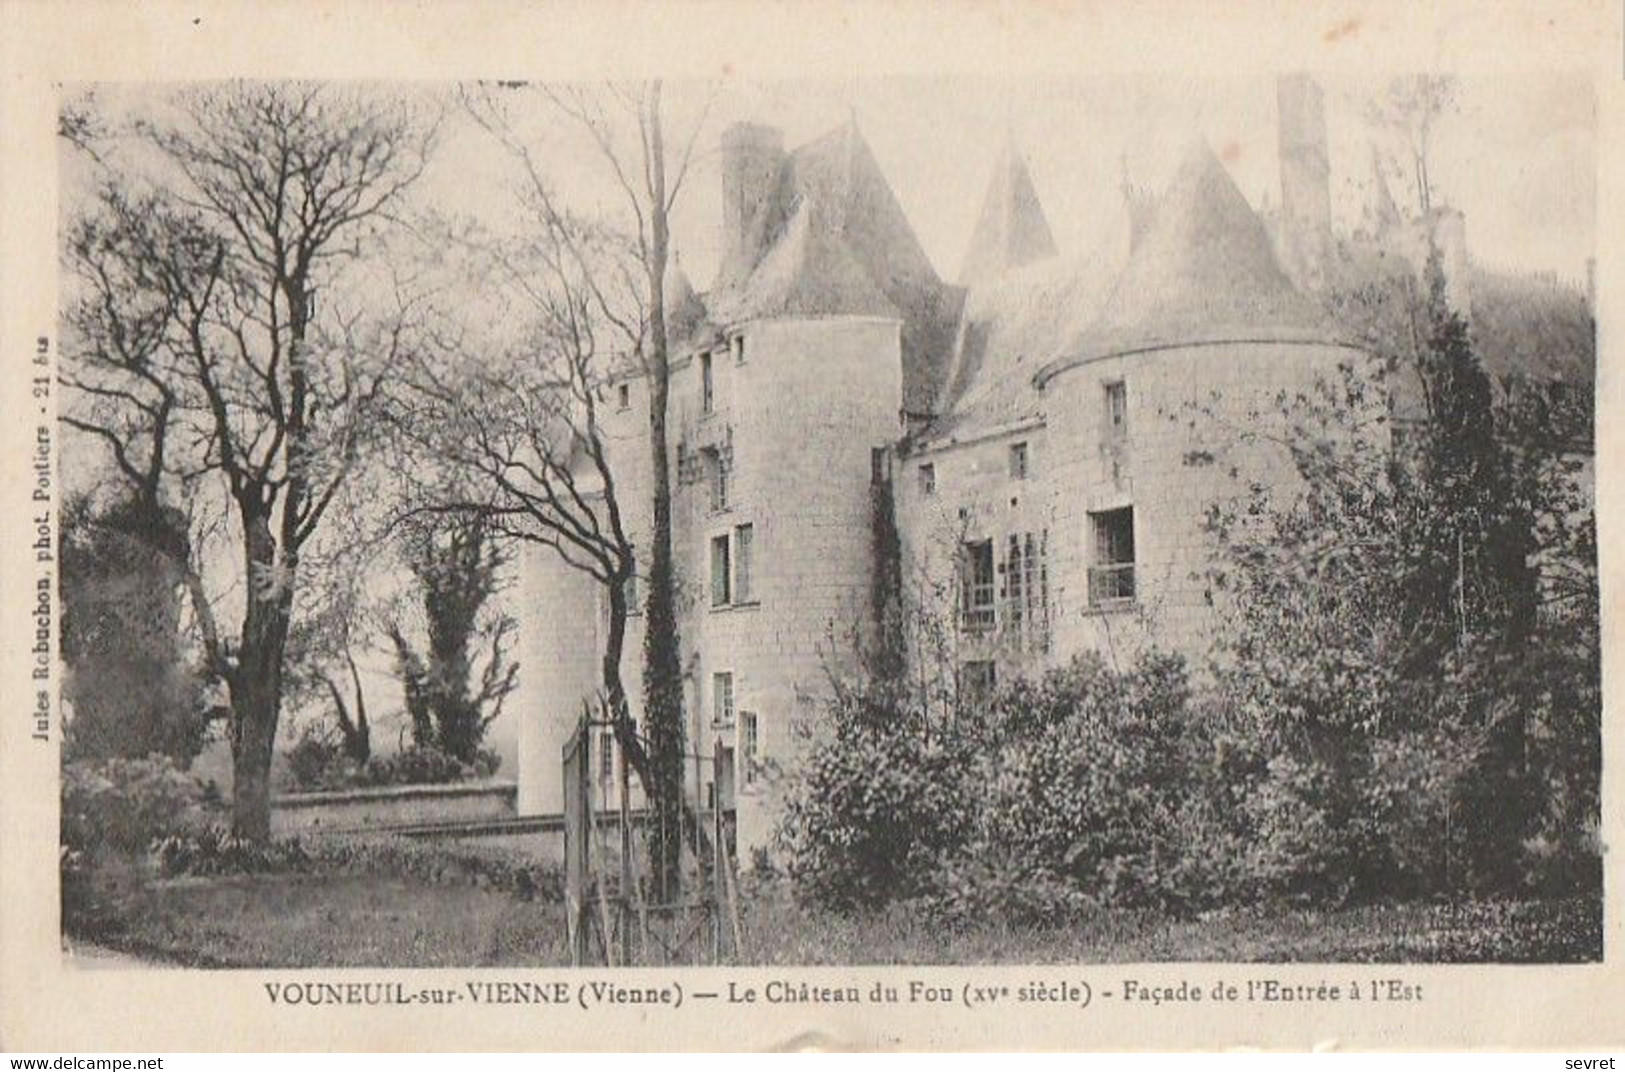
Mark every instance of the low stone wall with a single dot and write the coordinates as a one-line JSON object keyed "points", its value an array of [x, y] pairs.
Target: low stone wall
{"points": [[391, 806]]}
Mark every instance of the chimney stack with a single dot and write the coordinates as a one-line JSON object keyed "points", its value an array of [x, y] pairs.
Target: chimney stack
{"points": [[752, 158], [1306, 198]]}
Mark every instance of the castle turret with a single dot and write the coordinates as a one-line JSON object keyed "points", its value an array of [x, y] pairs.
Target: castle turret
{"points": [[1011, 231], [1306, 204]]}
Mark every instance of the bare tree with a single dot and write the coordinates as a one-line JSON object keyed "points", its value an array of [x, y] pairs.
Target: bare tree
{"points": [[1409, 111], [512, 439], [259, 195], [626, 123]]}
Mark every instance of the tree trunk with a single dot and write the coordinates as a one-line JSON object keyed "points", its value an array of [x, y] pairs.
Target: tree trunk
{"points": [[256, 683], [663, 670]]}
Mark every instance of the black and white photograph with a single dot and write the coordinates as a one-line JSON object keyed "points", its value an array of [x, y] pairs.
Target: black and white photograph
{"points": [[887, 520]]}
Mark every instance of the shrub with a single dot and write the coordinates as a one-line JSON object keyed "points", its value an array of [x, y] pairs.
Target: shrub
{"points": [[214, 850], [875, 807], [124, 804], [316, 762], [1092, 797], [513, 871]]}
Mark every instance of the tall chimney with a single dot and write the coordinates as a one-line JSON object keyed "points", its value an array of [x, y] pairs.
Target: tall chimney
{"points": [[1306, 199], [752, 157]]}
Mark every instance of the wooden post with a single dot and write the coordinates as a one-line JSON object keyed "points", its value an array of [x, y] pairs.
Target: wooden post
{"points": [[577, 812], [628, 880], [719, 882]]}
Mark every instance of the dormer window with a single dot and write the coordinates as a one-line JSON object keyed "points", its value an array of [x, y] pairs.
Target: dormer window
{"points": [[708, 387]]}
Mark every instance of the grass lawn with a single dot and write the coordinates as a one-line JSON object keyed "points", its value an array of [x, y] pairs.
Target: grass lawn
{"points": [[778, 932], [333, 919], [308, 920]]}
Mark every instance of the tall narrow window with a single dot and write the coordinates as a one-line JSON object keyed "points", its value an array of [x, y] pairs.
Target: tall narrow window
{"points": [[722, 699], [716, 477], [1116, 408], [744, 585], [1018, 461], [708, 386], [879, 466], [1111, 575], [606, 758], [623, 396], [928, 479], [976, 586], [721, 587], [750, 744], [1015, 585], [738, 343]]}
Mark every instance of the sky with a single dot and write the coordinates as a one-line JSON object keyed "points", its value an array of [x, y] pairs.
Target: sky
{"points": [[1516, 154]]}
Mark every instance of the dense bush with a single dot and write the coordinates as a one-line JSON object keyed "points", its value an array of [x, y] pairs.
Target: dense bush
{"points": [[123, 805], [878, 806], [318, 762], [1090, 787], [215, 850]]}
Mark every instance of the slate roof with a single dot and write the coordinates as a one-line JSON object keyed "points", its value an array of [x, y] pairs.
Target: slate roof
{"points": [[835, 241], [1012, 231], [1203, 271]]}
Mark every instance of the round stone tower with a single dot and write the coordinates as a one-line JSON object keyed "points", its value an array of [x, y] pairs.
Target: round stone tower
{"points": [[1202, 332]]}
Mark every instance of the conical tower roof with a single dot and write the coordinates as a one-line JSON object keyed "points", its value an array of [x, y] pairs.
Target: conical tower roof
{"points": [[808, 272], [1203, 271], [1012, 231], [685, 313]]}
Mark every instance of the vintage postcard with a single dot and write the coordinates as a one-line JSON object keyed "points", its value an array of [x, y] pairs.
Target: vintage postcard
{"points": [[556, 526]]}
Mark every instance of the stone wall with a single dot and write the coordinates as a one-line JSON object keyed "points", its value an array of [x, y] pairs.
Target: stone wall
{"points": [[390, 806]]}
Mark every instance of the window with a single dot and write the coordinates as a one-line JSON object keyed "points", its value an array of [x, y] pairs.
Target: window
{"points": [[1116, 408], [879, 466], [1026, 590], [1111, 577], [1018, 461], [716, 476], [722, 699], [977, 678], [976, 586], [928, 479], [708, 387], [606, 757], [743, 537], [721, 590], [738, 344], [750, 741], [623, 396]]}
